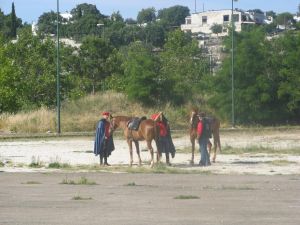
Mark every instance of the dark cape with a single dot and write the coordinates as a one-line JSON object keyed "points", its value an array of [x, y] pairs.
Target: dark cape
{"points": [[166, 144], [100, 142]]}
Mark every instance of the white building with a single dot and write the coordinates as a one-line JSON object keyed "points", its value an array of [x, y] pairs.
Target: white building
{"points": [[202, 22]]}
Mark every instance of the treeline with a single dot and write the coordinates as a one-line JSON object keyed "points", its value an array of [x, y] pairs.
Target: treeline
{"points": [[153, 62]]}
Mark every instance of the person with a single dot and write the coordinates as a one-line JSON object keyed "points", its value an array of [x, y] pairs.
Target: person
{"points": [[203, 139], [104, 143], [165, 143]]}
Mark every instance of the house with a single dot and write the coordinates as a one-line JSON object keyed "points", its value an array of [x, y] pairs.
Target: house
{"points": [[202, 22]]}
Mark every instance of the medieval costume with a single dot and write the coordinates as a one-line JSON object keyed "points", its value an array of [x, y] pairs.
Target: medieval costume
{"points": [[104, 143], [165, 143]]}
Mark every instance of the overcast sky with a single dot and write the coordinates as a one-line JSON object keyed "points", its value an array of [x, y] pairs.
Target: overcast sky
{"points": [[30, 10]]}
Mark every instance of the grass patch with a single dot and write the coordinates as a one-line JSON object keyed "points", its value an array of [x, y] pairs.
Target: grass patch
{"points": [[281, 162], [35, 163], [2, 164], [241, 188], [184, 197], [31, 182], [81, 181], [255, 150], [58, 165], [77, 197], [130, 184]]}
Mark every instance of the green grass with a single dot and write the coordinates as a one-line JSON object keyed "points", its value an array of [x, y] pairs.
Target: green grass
{"points": [[58, 165], [184, 197], [281, 162], [35, 163], [2, 164], [77, 197], [130, 184], [81, 181], [32, 182]]}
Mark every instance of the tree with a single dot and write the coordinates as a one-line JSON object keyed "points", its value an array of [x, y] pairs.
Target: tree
{"points": [[183, 68], [146, 15], [140, 71], [13, 29], [94, 52], [47, 23], [216, 28], [174, 16]]}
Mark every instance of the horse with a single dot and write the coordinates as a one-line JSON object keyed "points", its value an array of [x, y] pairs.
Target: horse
{"points": [[148, 131], [215, 129]]}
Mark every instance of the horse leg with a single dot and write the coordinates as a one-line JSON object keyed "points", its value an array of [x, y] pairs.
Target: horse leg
{"points": [[209, 145], [151, 153], [130, 151], [215, 149], [193, 150], [137, 147]]}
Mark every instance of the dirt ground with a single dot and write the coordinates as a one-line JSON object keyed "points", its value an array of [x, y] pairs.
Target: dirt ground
{"points": [[142, 199], [239, 189]]}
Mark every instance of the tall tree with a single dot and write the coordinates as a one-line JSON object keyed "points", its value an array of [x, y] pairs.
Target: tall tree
{"points": [[174, 16], [140, 70], [13, 29], [183, 68], [146, 15]]}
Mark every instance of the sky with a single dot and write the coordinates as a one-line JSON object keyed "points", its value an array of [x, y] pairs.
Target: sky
{"points": [[30, 10]]}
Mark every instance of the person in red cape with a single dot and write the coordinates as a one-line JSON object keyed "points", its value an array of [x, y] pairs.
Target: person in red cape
{"points": [[104, 143], [165, 143]]}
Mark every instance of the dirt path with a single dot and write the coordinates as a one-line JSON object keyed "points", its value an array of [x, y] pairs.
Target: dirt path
{"points": [[17, 155]]}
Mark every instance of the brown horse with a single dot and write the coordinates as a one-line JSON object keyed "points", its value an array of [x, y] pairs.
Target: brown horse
{"points": [[215, 128], [148, 131]]}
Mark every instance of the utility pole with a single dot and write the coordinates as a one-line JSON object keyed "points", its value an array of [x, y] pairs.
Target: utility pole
{"points": [[57, 72], [232, 65]]}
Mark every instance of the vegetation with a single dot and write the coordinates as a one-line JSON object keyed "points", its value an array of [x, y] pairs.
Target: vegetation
{"points": [[154, 66], [81, 181], [183, 197]]}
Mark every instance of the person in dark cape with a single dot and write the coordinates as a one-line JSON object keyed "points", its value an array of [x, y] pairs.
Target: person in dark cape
{"points": [[104, 143], [165, 142]]}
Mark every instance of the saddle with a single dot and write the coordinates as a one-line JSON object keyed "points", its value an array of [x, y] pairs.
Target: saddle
{"points": [[134, 123]]}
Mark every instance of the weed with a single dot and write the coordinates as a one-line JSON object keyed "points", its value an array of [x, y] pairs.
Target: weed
{"points": [[77, 197], [31, 182], [183, 197], [35, 162], [130, 184], [81, 181]]}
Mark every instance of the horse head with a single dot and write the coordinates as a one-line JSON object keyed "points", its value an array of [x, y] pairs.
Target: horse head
{"points": [[194, 118]]}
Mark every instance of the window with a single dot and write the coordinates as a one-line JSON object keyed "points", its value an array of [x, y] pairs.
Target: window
{"points": [[226, 18], [188, 21], [204, 19]]}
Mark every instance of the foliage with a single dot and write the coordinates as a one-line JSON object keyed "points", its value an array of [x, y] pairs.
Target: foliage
{"points": [[183, 68], [174, 16], [216, 28], [265, 79], [140, 70], [146, 15]]}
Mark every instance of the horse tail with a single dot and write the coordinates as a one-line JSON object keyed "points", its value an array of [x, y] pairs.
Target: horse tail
{"points": [[217, 134]]}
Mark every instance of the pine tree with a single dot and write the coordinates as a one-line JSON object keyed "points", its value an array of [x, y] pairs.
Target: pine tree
{"points": [[13, 29]]}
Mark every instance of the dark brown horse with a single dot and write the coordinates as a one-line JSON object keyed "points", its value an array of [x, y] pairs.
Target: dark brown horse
{"points": [[215, 129], [148, 131]]}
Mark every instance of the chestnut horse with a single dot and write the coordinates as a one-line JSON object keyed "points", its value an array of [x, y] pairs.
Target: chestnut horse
{"points": [[215, 129], [148, 131]]}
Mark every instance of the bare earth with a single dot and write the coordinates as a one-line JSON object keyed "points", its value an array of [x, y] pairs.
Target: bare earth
{"points": [[250, 189]]}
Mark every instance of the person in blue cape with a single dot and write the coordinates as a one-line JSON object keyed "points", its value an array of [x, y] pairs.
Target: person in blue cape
{"points": [[104, 143]]}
